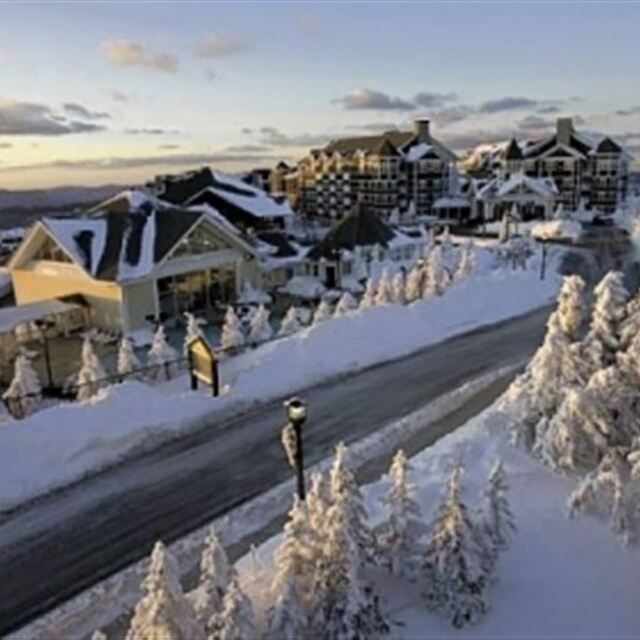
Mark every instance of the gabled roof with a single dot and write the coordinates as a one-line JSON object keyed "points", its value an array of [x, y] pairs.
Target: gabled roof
{"points": [[607, 145], [513, 151], [368, 144], [360, 228], [499, 188]]}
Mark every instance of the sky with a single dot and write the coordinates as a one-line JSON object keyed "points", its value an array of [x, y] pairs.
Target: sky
{"points": [[97, 93]]}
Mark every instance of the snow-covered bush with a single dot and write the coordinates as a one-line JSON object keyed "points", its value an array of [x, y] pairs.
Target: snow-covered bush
{"points": [[413, 289], [260, 330], [25, 390], [466, 262], [346, 304], [232, 335], [161, 354], [127, 359], [193, 330], [290, 323], [571, 307], [398, 286], [369, 296], [436, 279], [323, 312], [384, 294], [91, 375]]}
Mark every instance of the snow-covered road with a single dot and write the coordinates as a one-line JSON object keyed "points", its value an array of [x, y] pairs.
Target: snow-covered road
{"points": [[87, 531]]}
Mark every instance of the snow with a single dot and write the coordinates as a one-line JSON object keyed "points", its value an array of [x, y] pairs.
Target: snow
{"points": [[61, 444], [11, 317], [306, 287], [417, 151], [448, 202], [145, 264], [6, 284], [557, 230]]}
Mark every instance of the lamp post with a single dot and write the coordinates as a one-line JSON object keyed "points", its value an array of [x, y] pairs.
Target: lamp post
{"points": [[292, 439], [43, 325]]}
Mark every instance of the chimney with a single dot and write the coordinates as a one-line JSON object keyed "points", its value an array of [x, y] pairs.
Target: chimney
{"points": [[421, 128], [564, 130]]}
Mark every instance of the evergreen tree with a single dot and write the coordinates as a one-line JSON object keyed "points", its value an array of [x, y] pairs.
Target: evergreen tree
{"points": [[291, 583], [161, 353], [505, 229], [215, 575], [413, 289], [193, 330], [346, 304], [127, 359], [91, 372], [631, 325], [384, 295], [571, 311], [497, 518], [398, 286], [604, 339], [261, 330], [232, 335], [435, 276], [369, 296], [235, 621], [400, 535], [318, 500], [323, 312], [466, 263], [290, 323], [453, 568], [25, 386], [163, 612]]}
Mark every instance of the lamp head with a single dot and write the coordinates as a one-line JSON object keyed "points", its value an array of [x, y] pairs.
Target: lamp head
{"points": [[296, 410]]}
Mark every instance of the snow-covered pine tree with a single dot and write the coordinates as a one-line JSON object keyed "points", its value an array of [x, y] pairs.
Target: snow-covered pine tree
{"points": [[127, 359], [215, 575], [400, 535], [435, 278], [290, 323], [399, 288], [342, 483], [453, 565], [465, 263], [91, 372], [445, 242], [505, 229], [323, 312], [232, 336], [604, 339], [369, 297], [570, 309], [346, 304], [413, 290], [291, 585], [163, 612], [384, 295], [318, 500], [498, 523], [261, 330], [193, 330], [25, 386], [235, 621], [161, 353], [631, 324]]}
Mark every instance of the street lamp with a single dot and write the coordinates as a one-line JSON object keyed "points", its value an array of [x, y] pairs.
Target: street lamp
{"points": [[292, 439], [43, 325]]}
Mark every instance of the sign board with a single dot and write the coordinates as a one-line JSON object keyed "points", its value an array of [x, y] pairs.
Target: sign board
{"points": [[203, 365]]}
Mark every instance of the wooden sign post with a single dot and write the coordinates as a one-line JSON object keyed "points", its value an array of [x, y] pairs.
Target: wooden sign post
{"points": [[203, 365]]}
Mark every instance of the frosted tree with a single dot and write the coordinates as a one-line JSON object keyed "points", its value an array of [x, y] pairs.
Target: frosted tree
{"points": [[631, 325], [571, 309], [343, 485], [293, 572], [413, 290], [25, 387], [466, 263], [260, 328], [346, 304], [98, 635], [163, 612], [290, 323], [498, 523], [394, 216], [400, 535], [235, 621], [232, 335], [215, 575], [453, 561], [505, 229], [445, 242], [384, 295], [161, 353], [193, 330], [436, 277], [91, 374], [609, 313], [323, 312], [369, 296], [398, 286], [318, 500], [127, 360]]}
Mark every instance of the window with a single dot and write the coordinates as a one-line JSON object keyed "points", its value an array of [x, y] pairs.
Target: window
{"points": [[201, 240], [50, 251]]}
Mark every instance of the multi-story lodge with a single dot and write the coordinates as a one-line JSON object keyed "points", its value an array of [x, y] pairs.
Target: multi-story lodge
{"points": [[403, 171]]}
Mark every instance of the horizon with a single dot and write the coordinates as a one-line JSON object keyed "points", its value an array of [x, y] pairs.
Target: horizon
{"points": [[128, 91]]}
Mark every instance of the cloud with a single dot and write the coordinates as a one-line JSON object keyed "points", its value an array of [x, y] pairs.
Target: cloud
{"points": [[507, 104], [307, 24], [151, 131], [470, 139], [78, 111], [248, 148], [534, 123], [448, 115], [30, 118], [548, 109], [273, 137], [246, 131], [216, 45], [166, 160], [126, 53], [5, 145], [428, 99], [369, 100], [631, 111], [210, 75], [168, 146], [119, 96], [374, 127]]}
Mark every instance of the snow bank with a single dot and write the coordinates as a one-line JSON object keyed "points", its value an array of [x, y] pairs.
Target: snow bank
{"points": [[58, 445], [557, 230]]}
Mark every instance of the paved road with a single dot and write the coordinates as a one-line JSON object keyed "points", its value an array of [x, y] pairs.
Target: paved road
{"points": [[67, 541]]}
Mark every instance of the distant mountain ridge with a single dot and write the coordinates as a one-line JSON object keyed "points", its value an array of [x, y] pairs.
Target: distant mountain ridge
{"points": [[55, 197]]}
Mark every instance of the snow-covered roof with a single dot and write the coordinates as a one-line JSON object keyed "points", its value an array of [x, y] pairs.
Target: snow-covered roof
{"points": [[449, 202], [251, 295], [557, 229], [11, 317], [499, 187], [418, 151], [306, 287]]}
